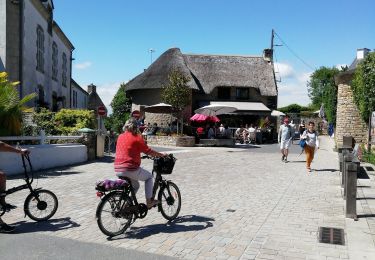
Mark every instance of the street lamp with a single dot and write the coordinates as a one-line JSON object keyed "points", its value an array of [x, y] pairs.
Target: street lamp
{"points": [[151, 51]]}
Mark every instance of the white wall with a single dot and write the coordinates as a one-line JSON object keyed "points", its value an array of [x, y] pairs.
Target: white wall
{"points": [[31, 77], [82, 98], [44, 157]]}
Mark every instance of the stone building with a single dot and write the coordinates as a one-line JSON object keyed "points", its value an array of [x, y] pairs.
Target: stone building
{"points": [[246, 82], [348, 119], [35, 51], [94, 101]]}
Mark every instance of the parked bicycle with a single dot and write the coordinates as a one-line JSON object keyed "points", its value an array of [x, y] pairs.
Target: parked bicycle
{"points": [[40, 204], [119, 208]]}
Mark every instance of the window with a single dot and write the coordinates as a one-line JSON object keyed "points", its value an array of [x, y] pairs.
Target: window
{"points": [[64, 69], [55, 60], [40, 49], [223, 93], [54, 101], [74, 99], [242, 93], [41, 102]]}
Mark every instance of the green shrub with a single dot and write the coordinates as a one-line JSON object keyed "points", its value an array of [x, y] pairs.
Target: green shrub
{"points": [[69, 121]]}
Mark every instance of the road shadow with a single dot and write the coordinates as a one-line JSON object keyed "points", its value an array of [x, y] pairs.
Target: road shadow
{"points": [[368, 198], [326, 170], [366, 216], [61, 171], [180, 224], [296, 161], [49, 225], [362, 174]]}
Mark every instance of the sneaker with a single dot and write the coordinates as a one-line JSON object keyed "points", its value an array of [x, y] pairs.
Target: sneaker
{"points": [[4, 228], [282, 158], [286, 160], [309, 169], [152, 204]]}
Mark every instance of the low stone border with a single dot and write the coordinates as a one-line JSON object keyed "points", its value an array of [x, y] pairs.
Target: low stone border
{"points": [[185, 141]]}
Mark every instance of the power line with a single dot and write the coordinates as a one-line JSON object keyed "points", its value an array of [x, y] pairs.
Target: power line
{"points": [[294, 53]]}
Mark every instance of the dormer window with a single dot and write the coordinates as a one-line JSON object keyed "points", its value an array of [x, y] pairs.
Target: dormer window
{"points": [[242, 93]]}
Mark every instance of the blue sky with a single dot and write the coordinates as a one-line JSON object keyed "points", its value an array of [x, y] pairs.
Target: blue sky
{"points": [[113, 38]]}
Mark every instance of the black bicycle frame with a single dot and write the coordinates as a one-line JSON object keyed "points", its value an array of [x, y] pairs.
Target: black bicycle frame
{"points": [[27, 178]]}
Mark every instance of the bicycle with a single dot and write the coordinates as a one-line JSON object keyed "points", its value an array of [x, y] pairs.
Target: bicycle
{"points": [[119, 208], [40, 204]]}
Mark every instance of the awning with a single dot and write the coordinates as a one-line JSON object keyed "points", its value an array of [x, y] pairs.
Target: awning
{"points": [[245, 108]]}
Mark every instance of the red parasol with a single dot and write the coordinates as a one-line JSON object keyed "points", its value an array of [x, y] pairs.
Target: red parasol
{"points": [[202, 118]]}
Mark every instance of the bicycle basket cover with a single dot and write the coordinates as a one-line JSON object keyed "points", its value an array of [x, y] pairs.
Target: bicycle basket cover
{"points": [[164, 165], [108, 185]]}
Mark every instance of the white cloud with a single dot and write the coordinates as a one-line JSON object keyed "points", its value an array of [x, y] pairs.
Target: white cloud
{"points": [[294, 89], [283, 70], [83, 65], [106, 92]]}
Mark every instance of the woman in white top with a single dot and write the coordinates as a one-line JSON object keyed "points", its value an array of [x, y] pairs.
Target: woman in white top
{"points": [[312, 142]]}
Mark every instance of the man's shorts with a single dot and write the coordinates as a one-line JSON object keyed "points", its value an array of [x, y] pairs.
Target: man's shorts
{"points": [[284, 144]]}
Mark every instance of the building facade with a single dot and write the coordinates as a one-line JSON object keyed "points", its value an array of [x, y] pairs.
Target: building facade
{"points": [[79, 97], [245, 82], [36, 52]]}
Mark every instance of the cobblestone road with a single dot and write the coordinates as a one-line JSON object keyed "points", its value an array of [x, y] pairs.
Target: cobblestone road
{"points": [[237, 203]]}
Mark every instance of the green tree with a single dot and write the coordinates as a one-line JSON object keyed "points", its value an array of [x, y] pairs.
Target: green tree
{"points": [[11, 106], [176, 92], [121, 107], [363, 86], [322, 90]]}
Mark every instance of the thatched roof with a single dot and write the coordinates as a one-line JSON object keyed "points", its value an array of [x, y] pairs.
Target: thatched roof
{"points": [[209, 71]]}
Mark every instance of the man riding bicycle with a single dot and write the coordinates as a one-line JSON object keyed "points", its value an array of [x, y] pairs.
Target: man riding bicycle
{"points": [[4, 228], [130, 145]]}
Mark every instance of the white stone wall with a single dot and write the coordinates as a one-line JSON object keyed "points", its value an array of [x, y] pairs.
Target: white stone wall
{"points": [[44, 157], [31, 77]]}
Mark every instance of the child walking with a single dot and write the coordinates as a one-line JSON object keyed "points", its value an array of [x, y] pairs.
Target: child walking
{"points": [[312, 143]]}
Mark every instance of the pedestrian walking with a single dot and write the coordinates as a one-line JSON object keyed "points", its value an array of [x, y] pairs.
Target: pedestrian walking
{"points": [[301, 128], [312, 144], [284, 137], [293, 125]]}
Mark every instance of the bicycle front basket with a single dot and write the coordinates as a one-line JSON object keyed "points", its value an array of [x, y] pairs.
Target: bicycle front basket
{"points": [[164, 165]]}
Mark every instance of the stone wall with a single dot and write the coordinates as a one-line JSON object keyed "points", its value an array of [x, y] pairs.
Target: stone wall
{"points": [[348, 121], [185, 141]]}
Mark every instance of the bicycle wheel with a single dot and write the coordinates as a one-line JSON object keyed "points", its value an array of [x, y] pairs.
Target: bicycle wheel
{"points": [[108, 214], [170, 201], [40, 205]]}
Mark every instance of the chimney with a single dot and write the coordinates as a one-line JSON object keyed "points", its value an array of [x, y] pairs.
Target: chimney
{"points": [[91, 88], [362, 53], [268, 55]]}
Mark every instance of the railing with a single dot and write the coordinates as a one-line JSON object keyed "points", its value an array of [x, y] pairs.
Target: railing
{"points": [[42, 138]]}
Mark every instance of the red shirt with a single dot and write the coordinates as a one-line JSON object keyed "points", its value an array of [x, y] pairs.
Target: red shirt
{"points": [[128, 151]]}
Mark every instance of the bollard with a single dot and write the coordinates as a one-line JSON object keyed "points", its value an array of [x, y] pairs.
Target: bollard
{"points": [[347, 158], [351, 189]]}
